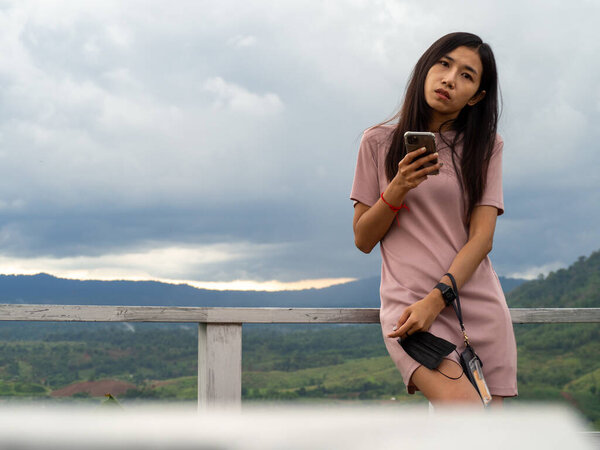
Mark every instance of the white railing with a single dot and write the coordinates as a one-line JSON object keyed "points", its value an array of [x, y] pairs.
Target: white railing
{"points": [[220, 331]]}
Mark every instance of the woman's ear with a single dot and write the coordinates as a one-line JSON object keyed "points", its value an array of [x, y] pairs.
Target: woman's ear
{"points": [[476, 98]]}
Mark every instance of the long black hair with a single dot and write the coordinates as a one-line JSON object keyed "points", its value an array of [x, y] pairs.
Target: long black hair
{"points": [[475, 125]]}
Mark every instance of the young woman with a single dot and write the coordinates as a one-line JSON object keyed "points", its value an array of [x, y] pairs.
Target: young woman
{"points": [[445, 223]]}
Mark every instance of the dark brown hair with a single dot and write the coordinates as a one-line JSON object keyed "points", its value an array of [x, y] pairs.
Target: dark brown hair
{"points": [[475, 125]]}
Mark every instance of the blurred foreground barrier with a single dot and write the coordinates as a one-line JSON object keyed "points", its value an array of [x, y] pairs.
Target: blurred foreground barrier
{"points": [[293, 428], [220, 331]]}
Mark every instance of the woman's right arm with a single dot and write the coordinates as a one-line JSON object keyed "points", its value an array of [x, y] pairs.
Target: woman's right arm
{"points": [[372, 223]]}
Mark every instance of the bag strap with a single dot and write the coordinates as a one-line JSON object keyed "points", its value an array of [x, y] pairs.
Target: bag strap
{"points": [[457, 309]]}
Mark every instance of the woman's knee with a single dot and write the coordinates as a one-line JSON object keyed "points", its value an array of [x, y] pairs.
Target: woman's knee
{"points": [[440, 389]]}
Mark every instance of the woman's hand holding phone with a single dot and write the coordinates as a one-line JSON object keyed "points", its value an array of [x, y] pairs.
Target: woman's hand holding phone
{"points": [[371, 223], [409, 176]]}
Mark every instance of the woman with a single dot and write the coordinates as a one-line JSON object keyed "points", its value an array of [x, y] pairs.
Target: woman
{"points": [[445, 222]]}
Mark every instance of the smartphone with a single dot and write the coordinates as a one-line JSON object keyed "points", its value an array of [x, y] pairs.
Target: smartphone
{"points": [[414, 140]]}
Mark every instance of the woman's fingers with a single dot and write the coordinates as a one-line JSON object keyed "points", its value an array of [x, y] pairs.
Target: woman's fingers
{"points": [[408, 176], [400, 323], [407, 329], [412, 156], [410, 322], [421, 161], [428, 170], [413, 160], [415, 155]]}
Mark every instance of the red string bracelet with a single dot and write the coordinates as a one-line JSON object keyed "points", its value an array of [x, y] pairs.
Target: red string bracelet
{"points": [[394, 208]]}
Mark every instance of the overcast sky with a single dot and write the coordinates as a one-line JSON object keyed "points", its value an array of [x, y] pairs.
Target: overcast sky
{"points": [[215, 141]]}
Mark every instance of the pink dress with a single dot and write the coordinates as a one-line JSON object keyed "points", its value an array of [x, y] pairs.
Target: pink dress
{"points": [[419, 248]]}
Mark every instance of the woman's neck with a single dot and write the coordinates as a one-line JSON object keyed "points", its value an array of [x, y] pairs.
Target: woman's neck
{"points": [[435, 127], [436, 122]]}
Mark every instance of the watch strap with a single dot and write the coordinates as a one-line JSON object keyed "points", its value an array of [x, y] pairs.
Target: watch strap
{"points": [[456, 304]]}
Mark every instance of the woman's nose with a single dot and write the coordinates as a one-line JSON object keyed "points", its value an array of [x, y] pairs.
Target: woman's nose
{"points": [[449, 79], [448, 82]]}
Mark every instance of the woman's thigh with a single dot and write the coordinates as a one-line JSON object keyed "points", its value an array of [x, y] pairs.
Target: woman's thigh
{"points": [[441, 390]]}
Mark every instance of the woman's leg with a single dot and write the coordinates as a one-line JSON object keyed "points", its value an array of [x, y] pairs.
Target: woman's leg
{"points": [[497, 401], [440, 390]]}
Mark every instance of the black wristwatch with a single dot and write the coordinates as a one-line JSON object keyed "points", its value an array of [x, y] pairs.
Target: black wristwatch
{"points": [[448, 293]]}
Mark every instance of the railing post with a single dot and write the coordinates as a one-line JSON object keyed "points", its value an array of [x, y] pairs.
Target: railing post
{"points": [[219, 365]]}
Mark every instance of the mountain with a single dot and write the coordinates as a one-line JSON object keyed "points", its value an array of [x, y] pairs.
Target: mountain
{"points": [[509, 284], [47, 289], [562, 360], [577, 286]]}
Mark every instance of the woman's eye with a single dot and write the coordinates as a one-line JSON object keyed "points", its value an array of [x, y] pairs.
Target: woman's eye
{"points": [[467, 76], [444, 63]]}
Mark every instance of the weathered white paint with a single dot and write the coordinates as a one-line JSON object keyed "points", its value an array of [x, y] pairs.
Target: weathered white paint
{"points": [[219, 365], [94, 313], [555, 315]]}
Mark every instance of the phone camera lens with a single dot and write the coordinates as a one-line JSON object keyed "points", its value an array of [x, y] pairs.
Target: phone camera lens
{"points": [[412, 139]]}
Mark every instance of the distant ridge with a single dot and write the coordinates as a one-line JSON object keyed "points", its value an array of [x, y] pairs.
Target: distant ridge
{"points": [[47, 289], [577, 286]]}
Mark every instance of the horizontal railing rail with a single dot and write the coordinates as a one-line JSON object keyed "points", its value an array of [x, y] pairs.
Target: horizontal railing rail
{"points": [[220, 331], [180, 314]]}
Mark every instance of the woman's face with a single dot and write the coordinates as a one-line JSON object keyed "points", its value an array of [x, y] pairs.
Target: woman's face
{"points": [[452, 83]]}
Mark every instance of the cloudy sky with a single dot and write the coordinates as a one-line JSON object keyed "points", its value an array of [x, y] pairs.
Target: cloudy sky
{"points": [[215, 141]]}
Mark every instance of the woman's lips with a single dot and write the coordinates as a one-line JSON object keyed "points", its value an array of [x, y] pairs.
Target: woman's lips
{"points": [[443, 94]]}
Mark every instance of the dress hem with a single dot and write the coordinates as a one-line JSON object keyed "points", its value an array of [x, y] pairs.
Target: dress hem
{"points": [[501, 391]]}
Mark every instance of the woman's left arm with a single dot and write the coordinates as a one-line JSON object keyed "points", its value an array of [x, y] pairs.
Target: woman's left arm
{"points": [[420, 315]]}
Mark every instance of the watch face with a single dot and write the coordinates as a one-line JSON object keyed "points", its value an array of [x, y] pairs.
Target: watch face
{"points": [[447, 293]]}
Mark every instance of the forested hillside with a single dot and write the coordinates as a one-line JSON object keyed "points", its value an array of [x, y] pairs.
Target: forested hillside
{"points": [[561, 359], [577, 286]]}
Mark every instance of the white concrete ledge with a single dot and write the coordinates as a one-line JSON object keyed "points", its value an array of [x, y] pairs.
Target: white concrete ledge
{"points": [[294, 427]]}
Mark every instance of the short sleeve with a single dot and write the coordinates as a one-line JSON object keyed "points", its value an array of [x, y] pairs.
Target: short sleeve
{"points": [[492, 194], [365, 188]]}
